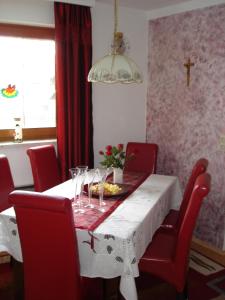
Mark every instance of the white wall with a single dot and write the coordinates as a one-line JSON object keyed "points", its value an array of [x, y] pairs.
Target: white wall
{"points": [[27, 12], [19, 161], [118, 110]]}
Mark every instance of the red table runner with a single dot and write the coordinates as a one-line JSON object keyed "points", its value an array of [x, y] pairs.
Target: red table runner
{"points": [[92, 217]]}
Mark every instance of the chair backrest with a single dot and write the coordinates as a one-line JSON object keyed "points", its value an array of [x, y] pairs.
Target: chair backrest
{"points": [[6, 182], [49, 246], [45, 167], [199, 168], [184, 236], [141, 157]]}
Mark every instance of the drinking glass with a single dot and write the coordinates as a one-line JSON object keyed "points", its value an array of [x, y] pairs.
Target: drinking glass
{"points": [[82, 171], [74, 175], [91, 177], [102, 175]]}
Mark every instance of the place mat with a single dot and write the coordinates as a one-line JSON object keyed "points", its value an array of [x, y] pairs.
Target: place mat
{"points": [[203, 264], [221, 297], [92, 218]]}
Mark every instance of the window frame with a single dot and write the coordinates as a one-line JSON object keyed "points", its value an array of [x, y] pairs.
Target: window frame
{"points": [[36, 32]]}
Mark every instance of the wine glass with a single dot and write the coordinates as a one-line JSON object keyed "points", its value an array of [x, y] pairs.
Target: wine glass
{"points": [[91, 176], [74, 175], [102, 175], [82, 171]]}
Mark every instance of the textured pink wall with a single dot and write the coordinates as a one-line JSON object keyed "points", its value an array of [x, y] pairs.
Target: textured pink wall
{"points": [[187, 123]]}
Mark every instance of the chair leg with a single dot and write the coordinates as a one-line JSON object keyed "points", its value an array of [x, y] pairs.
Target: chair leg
{"points": [[185, 291], [111, 289], [183, 295], [18, 285]]}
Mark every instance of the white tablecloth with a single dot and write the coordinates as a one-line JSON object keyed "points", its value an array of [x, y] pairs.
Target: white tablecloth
{"points": [[121, 240]]}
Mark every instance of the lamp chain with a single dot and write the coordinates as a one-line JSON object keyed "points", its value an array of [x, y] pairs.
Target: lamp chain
{"points": [[118, 36], [115, 16], [115, 67]]}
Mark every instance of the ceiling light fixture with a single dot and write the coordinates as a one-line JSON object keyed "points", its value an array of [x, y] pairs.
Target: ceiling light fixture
{"points": [[115, 67]]}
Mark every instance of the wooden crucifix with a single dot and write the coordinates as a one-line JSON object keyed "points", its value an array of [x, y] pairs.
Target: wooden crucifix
{"points": [[188, 65]]}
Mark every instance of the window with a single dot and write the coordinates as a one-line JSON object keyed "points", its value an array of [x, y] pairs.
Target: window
{"points": [[27, 81]]}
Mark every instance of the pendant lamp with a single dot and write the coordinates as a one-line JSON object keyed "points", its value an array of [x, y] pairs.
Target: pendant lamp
{"points": [[115, 67]]}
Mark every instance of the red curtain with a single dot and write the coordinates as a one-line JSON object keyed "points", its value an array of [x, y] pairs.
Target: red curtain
{"points": [[73, 30]]}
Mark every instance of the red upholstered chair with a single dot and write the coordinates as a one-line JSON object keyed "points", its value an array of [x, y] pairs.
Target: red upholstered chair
{"points": [[144, 157], [49, 246], [45, 167], [167, 256], [6, 182], [174, 218]]}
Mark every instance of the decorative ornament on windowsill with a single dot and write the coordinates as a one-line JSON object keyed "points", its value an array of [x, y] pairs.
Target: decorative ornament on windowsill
{"points": [[9, 92], [18, 131], [115, 67]]}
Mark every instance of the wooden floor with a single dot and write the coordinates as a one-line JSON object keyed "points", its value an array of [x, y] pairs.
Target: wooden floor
{"points": [[11, 286], [11, 282], [149, 287]]}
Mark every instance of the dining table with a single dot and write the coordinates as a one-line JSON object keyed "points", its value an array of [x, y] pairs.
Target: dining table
{"points": [[110, 244]]}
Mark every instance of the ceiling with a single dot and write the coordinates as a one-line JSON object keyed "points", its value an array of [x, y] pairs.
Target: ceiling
{"points": [[145, 4]]}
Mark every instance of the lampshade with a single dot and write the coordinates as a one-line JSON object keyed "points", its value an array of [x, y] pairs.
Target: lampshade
{"points": [[115, 67]]}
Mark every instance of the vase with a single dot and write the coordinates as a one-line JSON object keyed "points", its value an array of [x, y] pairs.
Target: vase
{"points": [[117, 175]]}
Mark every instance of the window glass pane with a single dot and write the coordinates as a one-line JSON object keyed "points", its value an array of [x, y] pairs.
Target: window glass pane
{"points": [[27, 82]]}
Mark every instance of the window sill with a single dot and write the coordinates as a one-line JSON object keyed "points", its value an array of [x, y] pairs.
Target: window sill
{"points": [[29, 142]]}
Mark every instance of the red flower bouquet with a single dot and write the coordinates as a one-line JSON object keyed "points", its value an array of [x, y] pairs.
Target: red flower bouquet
{"points": [[114, 156]]}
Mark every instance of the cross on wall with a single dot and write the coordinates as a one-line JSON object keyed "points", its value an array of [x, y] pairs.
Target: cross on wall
{"points": [[188, 65]]}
